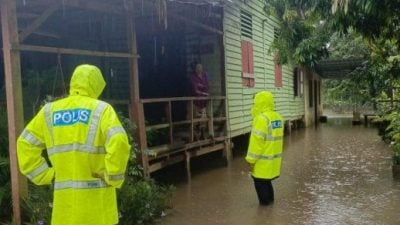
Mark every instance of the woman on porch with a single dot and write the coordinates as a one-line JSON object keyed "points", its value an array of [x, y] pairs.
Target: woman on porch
{"points": [[200, 88]]}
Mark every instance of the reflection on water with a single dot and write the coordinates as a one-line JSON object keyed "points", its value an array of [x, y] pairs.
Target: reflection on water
{"points": [[334, 174]]}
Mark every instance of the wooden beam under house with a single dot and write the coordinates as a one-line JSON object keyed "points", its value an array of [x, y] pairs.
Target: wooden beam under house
{"points": [[70, 51]]}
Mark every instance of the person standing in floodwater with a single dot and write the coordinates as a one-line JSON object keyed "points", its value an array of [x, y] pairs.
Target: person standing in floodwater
{"points": [[264, 153], [200, 88], [88, 150]]}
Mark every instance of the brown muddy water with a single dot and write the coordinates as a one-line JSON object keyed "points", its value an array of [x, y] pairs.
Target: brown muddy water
{"points": [[334, 174]]}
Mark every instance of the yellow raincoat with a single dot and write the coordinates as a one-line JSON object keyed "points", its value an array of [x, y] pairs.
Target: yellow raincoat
{"points": [[266, 139], [88, 150]]}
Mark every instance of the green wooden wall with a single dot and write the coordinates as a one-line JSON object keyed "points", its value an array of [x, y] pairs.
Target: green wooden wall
{"points": [[240, 97]]}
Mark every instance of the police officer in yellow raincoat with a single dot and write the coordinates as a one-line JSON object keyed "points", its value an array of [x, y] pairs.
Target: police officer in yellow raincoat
{"points": [[264, 153], [88, 150]]}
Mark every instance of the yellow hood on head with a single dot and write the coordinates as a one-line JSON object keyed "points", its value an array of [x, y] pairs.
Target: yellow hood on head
{"points": [[263, 102], [87, 80]]}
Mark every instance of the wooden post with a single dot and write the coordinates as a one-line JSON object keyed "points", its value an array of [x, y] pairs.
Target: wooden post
{"points": [[289, 127], [169, 118], [228, 151], [15, 113], [191, 111], [228, 141], [188, 170], [211, 119], [137, 107]]}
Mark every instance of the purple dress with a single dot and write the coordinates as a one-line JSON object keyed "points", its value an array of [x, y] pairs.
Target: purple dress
{"points": [[200, 84]]}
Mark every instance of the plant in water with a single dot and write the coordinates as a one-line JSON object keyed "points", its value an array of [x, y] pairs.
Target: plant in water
{"points": [[140, 201], [396, 154], [394, 132], [143, 202], [38, 205]]}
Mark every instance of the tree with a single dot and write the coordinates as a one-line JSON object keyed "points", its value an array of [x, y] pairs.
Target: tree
{"points": [[364, 18], [358, 89], [350, 29], [348, 46], [303, 34], [307, 25]]}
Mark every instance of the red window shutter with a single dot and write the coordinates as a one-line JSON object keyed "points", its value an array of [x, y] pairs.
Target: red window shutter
{"points": [[278, 75], [245, 61], [247, 64], [250, 57]]}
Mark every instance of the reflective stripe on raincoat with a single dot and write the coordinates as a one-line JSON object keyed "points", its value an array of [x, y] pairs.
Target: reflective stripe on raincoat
{"points": [[84, 141], [266, 138]]}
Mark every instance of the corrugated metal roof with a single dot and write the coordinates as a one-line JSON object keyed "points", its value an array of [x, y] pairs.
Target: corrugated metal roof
{"points": [[338, 69]]}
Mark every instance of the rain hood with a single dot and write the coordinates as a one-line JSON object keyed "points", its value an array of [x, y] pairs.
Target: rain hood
{"points": [[87, 80], [263, 102]]}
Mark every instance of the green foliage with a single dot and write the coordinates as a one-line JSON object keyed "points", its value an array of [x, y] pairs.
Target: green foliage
{"points": [[378, 28], [351, 29], [307, 26], [337, 94], [156, 136], [348, 46], [134, 170], [5, 189], [396, 154], [4, 132], [393, 131], [373, 19], [310, 50], [303, 35], [130, 128], [373, 81], [140, 201], [394, 126], [38, 205], [143, 202], [5, 183]]}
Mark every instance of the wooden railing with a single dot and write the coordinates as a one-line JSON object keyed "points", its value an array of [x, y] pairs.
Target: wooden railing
{"points": [[169, 124]]}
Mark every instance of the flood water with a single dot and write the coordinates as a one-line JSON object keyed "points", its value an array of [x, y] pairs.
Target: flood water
{"points": [[334, 174]]}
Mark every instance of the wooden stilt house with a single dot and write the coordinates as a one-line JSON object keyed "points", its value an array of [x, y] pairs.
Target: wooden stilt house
{"points": [[145, 49]]}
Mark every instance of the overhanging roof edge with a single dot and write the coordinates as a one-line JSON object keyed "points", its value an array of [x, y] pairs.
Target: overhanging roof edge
{"points": [[338, 68]]}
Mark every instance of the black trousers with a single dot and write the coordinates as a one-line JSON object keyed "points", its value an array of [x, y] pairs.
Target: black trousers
{"points": [[265, 191]]}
